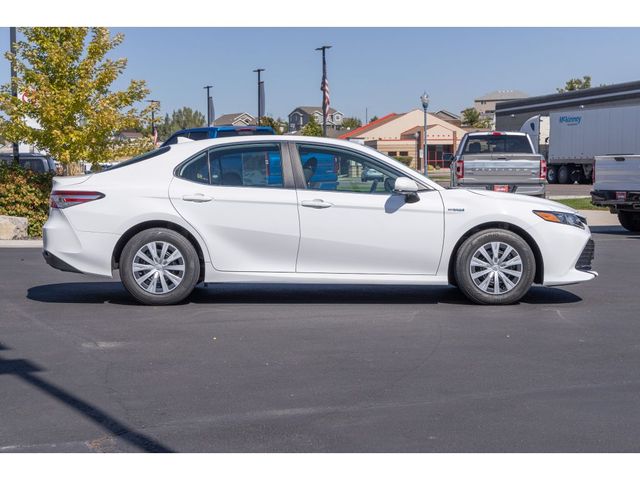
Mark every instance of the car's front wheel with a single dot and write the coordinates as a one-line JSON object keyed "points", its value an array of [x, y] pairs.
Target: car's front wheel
{"points": [[495, 267], [159, 267]]}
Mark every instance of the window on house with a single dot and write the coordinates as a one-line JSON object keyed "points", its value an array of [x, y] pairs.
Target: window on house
{"points": [[393, 154], [404, 154]]}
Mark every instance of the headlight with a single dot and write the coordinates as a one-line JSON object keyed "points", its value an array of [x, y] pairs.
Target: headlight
{"points": [[562, 217]]}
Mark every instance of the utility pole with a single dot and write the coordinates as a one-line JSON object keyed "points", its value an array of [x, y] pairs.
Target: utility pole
{"points": [[207, 88], [324, 86], [260, 97], [14, 86]]}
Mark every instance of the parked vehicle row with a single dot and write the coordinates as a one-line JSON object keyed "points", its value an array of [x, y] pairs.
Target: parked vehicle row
{"points": [[260, 209]]}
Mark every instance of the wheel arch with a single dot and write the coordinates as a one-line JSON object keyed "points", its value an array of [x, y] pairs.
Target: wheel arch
{"points": [[132, 231], [539, 277]]}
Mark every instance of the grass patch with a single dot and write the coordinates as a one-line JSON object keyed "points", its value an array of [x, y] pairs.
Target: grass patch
{"points": [[580, 203]]}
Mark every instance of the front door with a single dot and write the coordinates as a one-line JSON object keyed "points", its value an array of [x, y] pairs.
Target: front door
{"points": [[351, 221], [240, 201]]}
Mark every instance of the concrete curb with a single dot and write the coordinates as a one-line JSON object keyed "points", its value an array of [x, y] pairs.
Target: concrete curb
{"points": [[21, 243]]}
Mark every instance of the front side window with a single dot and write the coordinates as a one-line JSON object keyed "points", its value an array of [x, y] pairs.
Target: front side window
{"points": [[327, 168], [247, 166]]}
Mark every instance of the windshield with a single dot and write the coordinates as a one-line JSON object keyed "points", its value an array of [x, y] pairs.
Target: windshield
{"points": [[140, 158], [498, 144]]}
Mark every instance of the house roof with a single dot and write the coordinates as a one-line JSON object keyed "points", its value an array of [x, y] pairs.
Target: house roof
{"points": [[503, 95], [229, 118], [130, 134], [447, 114], [371, 125], [312, 110]]}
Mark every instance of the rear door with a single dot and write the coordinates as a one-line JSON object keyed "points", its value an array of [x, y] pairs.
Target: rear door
{"points": [[242, 201]]}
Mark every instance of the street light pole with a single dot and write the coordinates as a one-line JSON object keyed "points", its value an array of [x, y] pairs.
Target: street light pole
{"points": [[260, 112], [207, 88], [424, 98], [324, 86], [14, 87]]}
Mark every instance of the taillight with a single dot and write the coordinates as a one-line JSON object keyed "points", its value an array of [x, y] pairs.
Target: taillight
{"points": [[459, 169], [543, 169], [69, 198]]}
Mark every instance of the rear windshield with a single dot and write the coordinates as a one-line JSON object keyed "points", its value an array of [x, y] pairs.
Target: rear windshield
{"points": [[497, 144], [140, 158]]}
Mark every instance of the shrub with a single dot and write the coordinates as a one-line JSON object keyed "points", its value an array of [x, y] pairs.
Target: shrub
{"points": [[25, 193], [405, 160]]}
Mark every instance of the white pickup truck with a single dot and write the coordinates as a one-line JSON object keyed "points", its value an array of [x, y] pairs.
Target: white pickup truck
{"points": [[499, 161], [617, 186]]}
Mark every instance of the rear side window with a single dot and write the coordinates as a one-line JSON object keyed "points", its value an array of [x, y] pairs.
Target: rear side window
{"points": [[498, 144], [197, 170], [247, 166]]}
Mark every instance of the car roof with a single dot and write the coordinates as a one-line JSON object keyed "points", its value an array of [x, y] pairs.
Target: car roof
{"points": [[223, 127]]}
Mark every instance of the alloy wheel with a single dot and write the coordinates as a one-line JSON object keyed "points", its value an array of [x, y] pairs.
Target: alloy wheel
{"points": [[496, 268], [158, 267]]}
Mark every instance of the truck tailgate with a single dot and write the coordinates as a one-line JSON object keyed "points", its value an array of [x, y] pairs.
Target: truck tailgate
{"points": [[617, 172], [507, 168]]}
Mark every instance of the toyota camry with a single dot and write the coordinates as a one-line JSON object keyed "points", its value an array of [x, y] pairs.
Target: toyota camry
{"points": [[290, 209]]}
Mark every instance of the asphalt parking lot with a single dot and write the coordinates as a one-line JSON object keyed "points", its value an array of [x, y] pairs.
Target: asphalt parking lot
{"points": [[320, 368]]}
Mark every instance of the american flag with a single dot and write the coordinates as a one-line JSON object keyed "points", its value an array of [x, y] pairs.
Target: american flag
{"points": [[155, 135], [324, 87]]}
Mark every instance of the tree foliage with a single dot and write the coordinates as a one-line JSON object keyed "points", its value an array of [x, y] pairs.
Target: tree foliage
{"points": [[576, 84], [66, 105], [278, 125], [180, 119], [351, 122], [471, 118], [374, 118], [312, 128]]}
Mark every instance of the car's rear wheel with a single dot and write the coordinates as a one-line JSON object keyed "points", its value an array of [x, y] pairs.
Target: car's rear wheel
{"points": [[495, 267], [552, 174], [630, 220], [159, 267]]}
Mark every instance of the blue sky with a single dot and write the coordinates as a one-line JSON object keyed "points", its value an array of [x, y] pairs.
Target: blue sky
{"points": [[384, 69]]}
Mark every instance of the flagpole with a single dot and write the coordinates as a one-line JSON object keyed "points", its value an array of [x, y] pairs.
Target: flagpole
{"points": [[325, 89]]}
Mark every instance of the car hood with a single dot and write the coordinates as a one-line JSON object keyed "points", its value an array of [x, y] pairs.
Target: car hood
{"points": [[534, 202]]}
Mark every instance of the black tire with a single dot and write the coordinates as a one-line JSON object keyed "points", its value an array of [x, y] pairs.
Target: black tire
{"points": [[189, 261], [563, 174], [575, 175], [552, 174], [630, 221], [463, 267]]}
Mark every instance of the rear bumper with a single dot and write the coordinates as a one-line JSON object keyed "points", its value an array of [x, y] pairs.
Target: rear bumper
{"points": [[609, 198], [57, 263]]}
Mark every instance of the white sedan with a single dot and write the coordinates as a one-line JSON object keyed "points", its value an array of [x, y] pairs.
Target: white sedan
{"points": [[284, 209]]}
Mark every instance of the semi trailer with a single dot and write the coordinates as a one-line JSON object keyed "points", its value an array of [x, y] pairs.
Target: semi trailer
{"points": [[570, 140]]}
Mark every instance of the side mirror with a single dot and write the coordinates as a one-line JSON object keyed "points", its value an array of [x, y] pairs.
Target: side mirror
{"points": [[407, 187]]}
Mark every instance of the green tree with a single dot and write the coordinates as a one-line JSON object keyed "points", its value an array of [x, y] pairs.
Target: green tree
{"points": [[277, 125], [471, 118], [576, 84], [312, 128], [351, 122], [374, 118], [180, 119], [66, 78]]}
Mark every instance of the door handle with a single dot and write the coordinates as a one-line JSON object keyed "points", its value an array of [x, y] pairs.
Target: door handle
{"points": [[316, 203], [198, 198]]}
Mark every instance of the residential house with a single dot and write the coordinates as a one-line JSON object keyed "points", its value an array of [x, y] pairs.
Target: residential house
{"points": [[300, 116], [236, 119], [401, 135]]}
